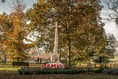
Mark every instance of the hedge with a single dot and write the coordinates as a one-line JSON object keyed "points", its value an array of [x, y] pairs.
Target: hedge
{"points": [[27, 71]]}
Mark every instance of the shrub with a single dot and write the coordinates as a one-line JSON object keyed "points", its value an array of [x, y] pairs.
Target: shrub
{"points": [[112, 71], [28, 71], [25, 71]]}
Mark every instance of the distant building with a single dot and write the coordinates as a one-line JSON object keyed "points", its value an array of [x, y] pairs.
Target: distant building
{"points": [[38, 56]]}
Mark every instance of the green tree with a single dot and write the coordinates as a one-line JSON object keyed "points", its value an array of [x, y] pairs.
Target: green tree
{"points": [[2, 0], [40, 25], [81, 34], [108, 52]]}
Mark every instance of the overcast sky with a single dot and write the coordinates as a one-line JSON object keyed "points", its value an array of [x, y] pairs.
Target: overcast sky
{"points": [[110, 27], [6, 7]]}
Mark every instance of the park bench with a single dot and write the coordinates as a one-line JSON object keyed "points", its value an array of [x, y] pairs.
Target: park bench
{"points": [[20, 64]]}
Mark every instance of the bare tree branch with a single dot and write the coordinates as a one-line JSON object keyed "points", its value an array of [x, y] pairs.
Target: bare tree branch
{"points": [[113, 6]]}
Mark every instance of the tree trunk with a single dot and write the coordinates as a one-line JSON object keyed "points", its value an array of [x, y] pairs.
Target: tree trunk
{"points": [[69, 52]]}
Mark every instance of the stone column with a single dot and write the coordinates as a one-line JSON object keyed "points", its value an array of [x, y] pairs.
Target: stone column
{"points": [[55, 56]]}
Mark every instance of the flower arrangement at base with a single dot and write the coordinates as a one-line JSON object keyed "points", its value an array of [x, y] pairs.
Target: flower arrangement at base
{"points": [[53, 65]]}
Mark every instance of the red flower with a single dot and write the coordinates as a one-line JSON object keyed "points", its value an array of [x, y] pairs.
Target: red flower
{"points": [[53, 65]]}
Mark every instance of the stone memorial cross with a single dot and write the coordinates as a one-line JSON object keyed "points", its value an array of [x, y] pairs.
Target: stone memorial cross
{"points": [[55, 56]]}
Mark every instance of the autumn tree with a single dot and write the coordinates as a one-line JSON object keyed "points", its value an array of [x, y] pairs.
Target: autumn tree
{"points": [[14, 29], [3, 38]]}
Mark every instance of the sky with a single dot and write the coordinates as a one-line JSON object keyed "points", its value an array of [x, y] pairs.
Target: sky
{"points": [[110, 26], [6, 7]]}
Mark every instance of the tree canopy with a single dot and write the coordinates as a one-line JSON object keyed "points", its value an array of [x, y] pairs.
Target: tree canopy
{"points": [[82, 34], [81, 37]]}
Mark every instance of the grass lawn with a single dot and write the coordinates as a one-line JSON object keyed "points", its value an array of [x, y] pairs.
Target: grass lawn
{"points": [[9, 67]]}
